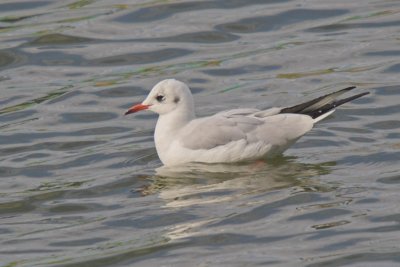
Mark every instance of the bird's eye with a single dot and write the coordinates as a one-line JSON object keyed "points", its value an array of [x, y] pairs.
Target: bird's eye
{"points": [[160, 98]]}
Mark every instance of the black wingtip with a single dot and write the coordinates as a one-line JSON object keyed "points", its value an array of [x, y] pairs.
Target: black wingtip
{"points": [[342, 90], [301, 108], [318, 112], [345, 100]]}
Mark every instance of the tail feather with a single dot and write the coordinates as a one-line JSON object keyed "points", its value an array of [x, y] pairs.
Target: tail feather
{"points": [[317, 108]]}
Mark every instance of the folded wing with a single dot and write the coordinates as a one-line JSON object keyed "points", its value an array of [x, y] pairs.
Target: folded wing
{"points": [[219, 130]]}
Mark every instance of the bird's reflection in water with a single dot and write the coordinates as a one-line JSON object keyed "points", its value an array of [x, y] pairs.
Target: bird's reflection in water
{"points": [[208, 183]]}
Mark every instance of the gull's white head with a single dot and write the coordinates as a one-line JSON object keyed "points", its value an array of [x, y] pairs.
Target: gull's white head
{"points": [[165, 97]]}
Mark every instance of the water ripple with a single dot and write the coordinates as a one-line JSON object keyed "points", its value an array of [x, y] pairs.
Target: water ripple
{"points": [[82, 185], [276, 22]]}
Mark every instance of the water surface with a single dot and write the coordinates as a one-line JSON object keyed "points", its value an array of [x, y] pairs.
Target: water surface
{"points": [[81, 185]]}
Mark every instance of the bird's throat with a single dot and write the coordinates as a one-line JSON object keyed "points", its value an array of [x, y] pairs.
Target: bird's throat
{"points": [[168, 127]]}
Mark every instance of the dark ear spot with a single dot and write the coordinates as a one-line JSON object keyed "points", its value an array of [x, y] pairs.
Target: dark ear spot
{"points": [[176, 99]]}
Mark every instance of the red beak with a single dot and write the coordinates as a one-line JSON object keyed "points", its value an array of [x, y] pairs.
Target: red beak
{"points": [[137, 108]]}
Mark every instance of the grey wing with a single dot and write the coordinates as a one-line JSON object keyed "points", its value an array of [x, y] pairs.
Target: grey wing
{"points": [[217, 130], [251, 112], [238, 112], [283, 128]]}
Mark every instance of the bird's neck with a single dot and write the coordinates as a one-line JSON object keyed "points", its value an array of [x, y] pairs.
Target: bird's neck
{"points": [[168, 126]]}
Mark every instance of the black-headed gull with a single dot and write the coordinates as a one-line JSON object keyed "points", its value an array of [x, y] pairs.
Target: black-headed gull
{"points": [[230, 136]]}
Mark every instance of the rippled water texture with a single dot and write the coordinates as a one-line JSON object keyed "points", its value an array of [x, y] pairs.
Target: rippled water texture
{"points": [[81, 185]]}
